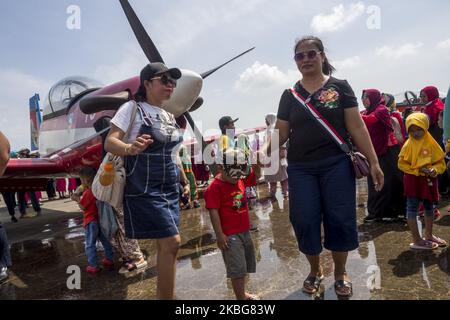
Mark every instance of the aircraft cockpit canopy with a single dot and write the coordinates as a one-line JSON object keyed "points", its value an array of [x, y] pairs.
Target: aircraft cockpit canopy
{"points": [[63, 92]]}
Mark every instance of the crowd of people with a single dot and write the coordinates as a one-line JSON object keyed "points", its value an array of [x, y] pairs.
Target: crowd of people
{"points": [[405, 152]]}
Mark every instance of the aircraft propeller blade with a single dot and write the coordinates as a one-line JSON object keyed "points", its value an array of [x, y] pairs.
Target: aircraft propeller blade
{"points": [[210, 72], [142, 36], [199, 137]]}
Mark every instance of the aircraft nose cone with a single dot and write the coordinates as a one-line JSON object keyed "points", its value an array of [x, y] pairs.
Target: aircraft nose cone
{"points": [[186, 93]]}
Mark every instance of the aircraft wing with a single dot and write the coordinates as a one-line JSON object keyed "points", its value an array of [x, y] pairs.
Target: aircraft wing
{"points": [[34, 167], [213, 138], [33, 173]]}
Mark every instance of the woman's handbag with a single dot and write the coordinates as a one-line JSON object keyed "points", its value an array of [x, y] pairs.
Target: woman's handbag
{"points": [[113, 194], [359, 161], [360, 164]]}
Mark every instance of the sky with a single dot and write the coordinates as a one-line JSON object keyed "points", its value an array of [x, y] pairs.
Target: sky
{"points": [[389, 45]]}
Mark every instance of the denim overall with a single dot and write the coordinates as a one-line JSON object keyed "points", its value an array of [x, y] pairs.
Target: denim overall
{"points": [[151, 195]]}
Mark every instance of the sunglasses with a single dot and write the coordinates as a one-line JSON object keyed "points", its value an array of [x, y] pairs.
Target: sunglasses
{"points": [[311, 54], [166, 80]]}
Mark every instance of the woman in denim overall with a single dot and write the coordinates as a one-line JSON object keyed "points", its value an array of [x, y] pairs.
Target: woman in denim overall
{"points": [[151, 196]]}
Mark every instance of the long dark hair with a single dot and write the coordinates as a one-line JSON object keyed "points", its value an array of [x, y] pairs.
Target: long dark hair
{"points": [[327, 68], [141, 94]]}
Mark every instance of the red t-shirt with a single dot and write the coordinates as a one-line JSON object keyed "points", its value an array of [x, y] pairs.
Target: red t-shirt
{"points": [[231, 201], [89, 204]]}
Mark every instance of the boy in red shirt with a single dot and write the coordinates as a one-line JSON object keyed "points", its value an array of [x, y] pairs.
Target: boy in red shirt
{"points": [[88, 205], [228, 208]]}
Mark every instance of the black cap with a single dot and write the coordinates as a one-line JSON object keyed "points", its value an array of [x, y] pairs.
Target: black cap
{"points": [[224, 121], [156, 68]]}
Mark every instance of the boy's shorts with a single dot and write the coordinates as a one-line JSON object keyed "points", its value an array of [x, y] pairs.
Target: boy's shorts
{"points": [[239, 258]]}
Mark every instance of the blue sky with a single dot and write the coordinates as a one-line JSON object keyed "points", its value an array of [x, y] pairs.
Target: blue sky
{"points": [[410, 50]]}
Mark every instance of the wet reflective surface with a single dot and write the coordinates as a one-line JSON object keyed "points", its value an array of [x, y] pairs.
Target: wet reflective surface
{"points": [[383, 267]]}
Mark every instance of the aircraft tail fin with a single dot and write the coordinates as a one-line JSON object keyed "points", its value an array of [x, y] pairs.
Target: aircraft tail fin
{"points": [[35, 121]]}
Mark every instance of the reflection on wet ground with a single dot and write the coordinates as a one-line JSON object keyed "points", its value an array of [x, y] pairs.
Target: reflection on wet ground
{"points": [[382, 268]]}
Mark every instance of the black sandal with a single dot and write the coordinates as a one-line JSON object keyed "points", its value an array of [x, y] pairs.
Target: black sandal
{"points": [[343, 284], [314, 282]]}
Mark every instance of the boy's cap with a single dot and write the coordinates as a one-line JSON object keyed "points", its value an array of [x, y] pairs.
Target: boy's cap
{"points": [[156, 68], [225, 121]]}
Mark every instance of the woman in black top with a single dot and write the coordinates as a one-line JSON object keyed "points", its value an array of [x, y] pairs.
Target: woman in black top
{"points": [[321, 177]]}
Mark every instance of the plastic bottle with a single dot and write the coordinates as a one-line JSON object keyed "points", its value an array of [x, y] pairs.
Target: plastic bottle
{"points": [[108, 175]]}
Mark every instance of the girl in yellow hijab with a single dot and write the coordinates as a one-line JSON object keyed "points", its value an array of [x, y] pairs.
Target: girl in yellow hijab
{"points": [[422, 160]]}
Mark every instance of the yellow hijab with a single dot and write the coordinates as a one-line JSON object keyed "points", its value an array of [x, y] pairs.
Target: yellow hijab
{"points": [[422, 153]]}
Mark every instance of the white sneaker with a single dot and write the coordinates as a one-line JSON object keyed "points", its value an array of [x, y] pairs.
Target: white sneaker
{"points": [[29, 215]]}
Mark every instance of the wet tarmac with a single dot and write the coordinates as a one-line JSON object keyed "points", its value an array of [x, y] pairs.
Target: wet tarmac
{"points": [[382, 268]]}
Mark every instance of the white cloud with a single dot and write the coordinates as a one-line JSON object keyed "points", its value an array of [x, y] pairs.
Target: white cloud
{"points": [[133, 60], [196, 18], [338, 19], [17, 88], [396, 53], [263, 76], [349, 63], [444, 44]]}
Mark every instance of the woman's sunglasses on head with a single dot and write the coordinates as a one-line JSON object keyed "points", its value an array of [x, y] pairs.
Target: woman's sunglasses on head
{"points": [[166, 80], [311, 54]]}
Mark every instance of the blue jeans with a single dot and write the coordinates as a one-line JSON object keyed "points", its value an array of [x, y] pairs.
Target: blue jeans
{"points": [[412, 207], [93, 233], [323, 191]]}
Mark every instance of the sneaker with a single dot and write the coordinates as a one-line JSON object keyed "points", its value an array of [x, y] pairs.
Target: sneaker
{"points": [[4, 274], [14, 219], [29, 215], [370, 219], [108, 264], [93, 270]]}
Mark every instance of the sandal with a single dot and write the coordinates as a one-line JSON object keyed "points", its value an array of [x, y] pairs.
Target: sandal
{"points": [[440, 242], [252, 297], [312, 284], [132, 266], [425, 245], [339, 285]]}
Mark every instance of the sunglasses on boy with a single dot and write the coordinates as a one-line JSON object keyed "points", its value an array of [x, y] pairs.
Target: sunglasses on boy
{"points": [[166, 80], [311, 54]]}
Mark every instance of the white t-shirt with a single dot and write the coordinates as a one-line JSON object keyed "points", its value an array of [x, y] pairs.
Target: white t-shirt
{"points": [[122, 118]]}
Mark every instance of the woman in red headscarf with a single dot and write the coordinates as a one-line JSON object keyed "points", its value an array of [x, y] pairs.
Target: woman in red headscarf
{"points": [[433, 107], [378, 121]]}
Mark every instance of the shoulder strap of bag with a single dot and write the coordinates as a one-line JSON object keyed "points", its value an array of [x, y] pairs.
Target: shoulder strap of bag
{"points": [[305, 103], [132, 119]]}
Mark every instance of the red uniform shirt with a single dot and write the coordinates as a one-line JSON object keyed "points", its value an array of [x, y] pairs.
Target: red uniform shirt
{"points": [[89, 204], [231, 201]]}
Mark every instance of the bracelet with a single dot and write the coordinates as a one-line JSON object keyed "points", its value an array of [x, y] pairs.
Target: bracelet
{"points": [[127, 149]]}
